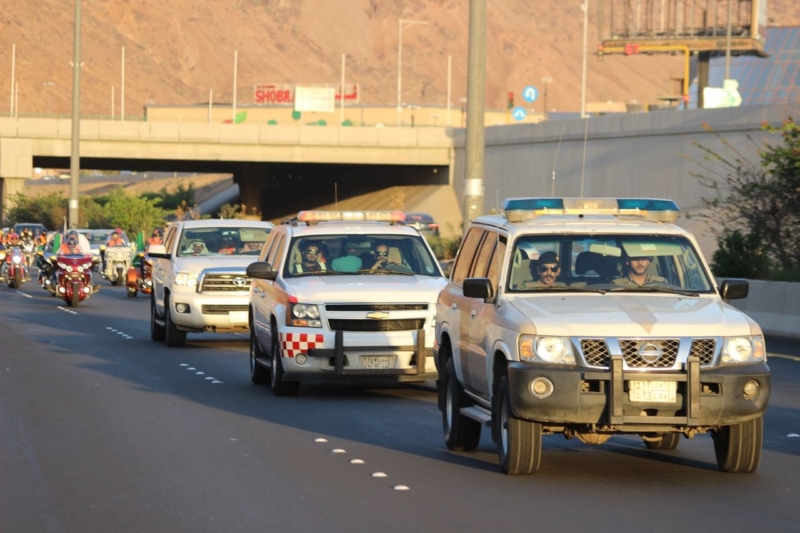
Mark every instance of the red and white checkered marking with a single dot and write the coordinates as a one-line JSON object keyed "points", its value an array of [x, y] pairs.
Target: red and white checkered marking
{"points": [[295, 343]]}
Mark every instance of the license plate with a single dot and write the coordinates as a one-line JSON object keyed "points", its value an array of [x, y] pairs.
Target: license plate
{"points": [[238, 316], [652, 391], [373, 362]]}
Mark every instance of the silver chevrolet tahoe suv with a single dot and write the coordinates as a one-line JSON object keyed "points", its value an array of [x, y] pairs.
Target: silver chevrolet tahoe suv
{"points": [[199, 277]]}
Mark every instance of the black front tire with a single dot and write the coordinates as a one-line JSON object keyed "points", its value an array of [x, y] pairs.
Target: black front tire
{"points": [[258, 374], [738, 447], [520, 443], [76, 294], [157, 331], [279, 386], [175, 338], [460, 433]]}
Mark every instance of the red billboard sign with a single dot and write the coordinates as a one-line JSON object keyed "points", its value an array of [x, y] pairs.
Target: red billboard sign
{"points": [[283, 94]]}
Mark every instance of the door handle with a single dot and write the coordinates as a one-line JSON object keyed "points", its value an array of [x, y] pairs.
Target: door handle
{"points": [[454, 307], [473, 313]]}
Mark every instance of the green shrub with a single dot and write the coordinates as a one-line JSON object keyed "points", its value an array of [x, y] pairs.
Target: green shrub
{"points": [[740, 256], [444, 248]]}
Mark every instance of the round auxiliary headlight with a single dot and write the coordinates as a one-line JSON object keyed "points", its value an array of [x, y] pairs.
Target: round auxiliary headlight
{"points": [[541, 387], [181, 308], [300, 310], [300, 358], [750, 390], [69, 268]]}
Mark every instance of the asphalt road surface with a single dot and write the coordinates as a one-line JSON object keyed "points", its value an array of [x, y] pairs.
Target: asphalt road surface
{"points": [[103, 430]]}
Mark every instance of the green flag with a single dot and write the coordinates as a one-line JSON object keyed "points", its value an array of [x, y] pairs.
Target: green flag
{"points": [[140, 242], [56, 242], [240, 117]]}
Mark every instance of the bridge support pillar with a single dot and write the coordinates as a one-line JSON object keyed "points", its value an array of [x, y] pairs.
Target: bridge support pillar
{"points": [[16, 165], [252, 181]]}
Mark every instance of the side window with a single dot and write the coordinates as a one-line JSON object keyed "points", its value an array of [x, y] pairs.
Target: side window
{"points": [[465, 255], [169, 241], [495, 263], [483, 256], [267, 248], [276, 254]]}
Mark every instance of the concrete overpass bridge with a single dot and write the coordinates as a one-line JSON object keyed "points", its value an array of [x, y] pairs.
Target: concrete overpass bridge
{"points": [[280, 169]]}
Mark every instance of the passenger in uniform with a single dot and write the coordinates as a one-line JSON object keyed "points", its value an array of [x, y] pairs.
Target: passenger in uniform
{"points": [[546, 269], [636, 273]]}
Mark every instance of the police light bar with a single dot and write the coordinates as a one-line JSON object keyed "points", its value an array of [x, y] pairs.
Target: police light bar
{"points": [[522, 209], [312, 217]]}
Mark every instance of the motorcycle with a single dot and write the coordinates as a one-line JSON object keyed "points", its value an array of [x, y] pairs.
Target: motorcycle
{"points": [[46, 262], [28, 251], [74, 278], [15, 272], [139, 277], [118, 259]]}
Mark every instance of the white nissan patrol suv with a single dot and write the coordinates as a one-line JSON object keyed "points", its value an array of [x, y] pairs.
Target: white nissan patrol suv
{"points": [[339, 296], [591, 317], [199, 277]]}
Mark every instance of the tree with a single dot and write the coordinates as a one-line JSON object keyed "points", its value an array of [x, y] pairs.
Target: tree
{"points": [[133, 213], [49, 210], [758, 199]]}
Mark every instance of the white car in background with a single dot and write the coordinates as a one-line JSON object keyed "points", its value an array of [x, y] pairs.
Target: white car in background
{"points": [[199, 277]]}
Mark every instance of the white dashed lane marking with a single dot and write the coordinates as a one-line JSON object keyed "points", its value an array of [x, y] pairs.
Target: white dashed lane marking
{"points": [[214, 381], [122, 333], [70, 311], [377, 475], [25, 294]]}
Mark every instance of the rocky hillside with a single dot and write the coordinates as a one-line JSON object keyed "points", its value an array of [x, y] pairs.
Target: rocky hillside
{"points": [[177, 50]]}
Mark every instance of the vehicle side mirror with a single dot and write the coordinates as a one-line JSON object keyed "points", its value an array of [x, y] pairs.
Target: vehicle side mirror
{"points": [[479, 288], [734, 289], [261, 270], [159, 251]]}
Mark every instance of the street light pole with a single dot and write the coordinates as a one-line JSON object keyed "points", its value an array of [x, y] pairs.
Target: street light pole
{"points": [[74, 160], [400, 24], [475, 147], [585, 8]]}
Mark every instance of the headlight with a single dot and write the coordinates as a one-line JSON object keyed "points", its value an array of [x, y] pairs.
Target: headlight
{"points": [[62, 265], [743, 350], [80, 268], [2, 256], [186, 278], [69, 268], [16, 259], [556, 350], [304, 315]]}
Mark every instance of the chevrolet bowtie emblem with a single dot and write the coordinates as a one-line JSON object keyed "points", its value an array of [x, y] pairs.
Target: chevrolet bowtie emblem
{"points": [[378, 315]]}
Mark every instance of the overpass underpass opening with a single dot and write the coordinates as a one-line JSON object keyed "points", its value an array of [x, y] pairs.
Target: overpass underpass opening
{"points": [[283, 189]]}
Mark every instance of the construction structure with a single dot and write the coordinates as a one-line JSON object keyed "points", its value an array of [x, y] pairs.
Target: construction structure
{"points": [[703, 27]]}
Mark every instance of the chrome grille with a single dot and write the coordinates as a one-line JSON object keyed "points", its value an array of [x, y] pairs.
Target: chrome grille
{"points": [[704, 349], [595, 352], [409, 324], [376, 307], [222, 309], [224, 283], [668, 347]]}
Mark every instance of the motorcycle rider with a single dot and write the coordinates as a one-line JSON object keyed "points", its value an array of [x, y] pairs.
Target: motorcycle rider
{"points": [[41, 240], [156, 238], [28, 245], [70, 246], [14, 242]]}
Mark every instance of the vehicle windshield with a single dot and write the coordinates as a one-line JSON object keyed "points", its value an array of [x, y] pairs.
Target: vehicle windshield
{"points": [[362, 254], [618, 263], [222, 241]]}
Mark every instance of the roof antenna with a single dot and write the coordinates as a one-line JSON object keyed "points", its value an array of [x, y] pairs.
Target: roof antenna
{"points": [[553, 186], [583, 168]]}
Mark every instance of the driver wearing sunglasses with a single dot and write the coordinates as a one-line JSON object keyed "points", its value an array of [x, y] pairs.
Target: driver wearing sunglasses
{"points": [[546, 269], [381, 254]]}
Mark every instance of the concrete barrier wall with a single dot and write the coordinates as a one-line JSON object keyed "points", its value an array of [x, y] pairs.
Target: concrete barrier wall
{"points": [[775, 305]]}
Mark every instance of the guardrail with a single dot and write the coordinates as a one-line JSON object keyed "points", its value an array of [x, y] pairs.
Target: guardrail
{"points": [[775, 305]]}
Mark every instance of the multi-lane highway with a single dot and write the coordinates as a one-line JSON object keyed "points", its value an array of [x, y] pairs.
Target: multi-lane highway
{"points": [[102, 429]]}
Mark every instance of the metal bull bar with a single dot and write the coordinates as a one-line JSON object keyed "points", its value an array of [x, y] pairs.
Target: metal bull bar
{"points": [[616, 396], [337, 353]]}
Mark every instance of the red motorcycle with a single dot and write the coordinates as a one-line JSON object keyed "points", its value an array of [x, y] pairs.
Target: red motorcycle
{"points": [[15, 271], [74, 278]]}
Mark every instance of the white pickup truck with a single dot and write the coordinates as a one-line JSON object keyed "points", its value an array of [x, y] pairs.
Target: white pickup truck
{"points": [[199, 277]]}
